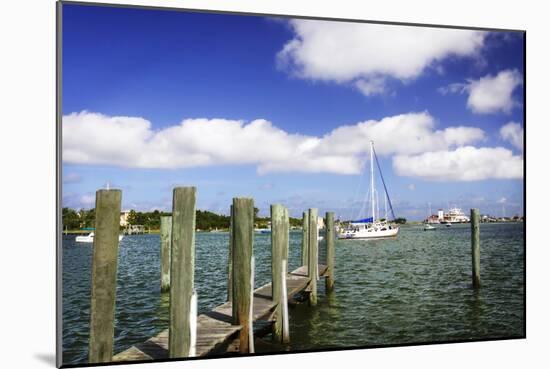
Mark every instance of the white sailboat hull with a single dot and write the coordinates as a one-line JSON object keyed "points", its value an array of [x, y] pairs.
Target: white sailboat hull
{"points": [[371, 228], [368, 234]]}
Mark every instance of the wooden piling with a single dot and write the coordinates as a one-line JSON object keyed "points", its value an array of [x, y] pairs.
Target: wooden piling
{"points": [[182, 268], [329, 236], [313, 258], [243, 238], [284, 303], [251, 348], [474, 219], [104, 271], [305, 236], [286, 223], [165, 248], [279, 245], [193, 311], [230, 258]]}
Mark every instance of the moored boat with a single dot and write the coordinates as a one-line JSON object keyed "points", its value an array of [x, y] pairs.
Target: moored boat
{"points": [[89, 238], [371, 228], [429, 227]]}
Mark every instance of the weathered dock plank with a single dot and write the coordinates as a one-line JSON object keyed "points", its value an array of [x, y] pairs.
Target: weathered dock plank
{"points": [[214, 328]]}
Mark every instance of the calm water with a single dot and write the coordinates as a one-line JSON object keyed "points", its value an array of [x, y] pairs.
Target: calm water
{"points": [[416, 288]]}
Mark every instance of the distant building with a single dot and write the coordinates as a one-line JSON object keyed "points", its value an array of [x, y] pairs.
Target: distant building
{"points": [[124, 218], [320, 222]]}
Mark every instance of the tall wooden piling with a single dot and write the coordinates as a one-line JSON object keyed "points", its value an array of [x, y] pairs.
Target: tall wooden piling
{"points": [[279, 249], [474, 219], [182, 269], [230, 258], [251, 349], [243, 238], [193, 325], [313, 271], [329, 236], [286, 223], [104, 270], [284, 304], [305, 237], [165, 250]]}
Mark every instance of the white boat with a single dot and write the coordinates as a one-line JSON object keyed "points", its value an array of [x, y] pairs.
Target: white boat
{"points": [[371, 228], [89, 238], [262, 230], [452, 216], [429, 227]]}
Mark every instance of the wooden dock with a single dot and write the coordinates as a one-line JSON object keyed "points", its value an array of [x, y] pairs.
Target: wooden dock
{"points": [[232, 327], [214, 329]]}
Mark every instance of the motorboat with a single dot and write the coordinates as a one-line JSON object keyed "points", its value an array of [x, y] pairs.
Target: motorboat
{"points": [[89, 238], [429, 227]]}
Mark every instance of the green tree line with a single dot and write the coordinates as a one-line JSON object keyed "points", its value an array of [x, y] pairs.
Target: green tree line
{"points": [[205, 220]]}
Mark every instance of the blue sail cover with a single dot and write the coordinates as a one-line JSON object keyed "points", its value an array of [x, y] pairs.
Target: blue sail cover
{"points": [[364, 220]]}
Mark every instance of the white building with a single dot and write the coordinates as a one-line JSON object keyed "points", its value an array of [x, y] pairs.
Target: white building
{"points": [[124, 218], [320, 223]]}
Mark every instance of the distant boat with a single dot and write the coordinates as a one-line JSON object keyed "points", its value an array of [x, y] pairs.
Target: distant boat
{"points": [[262, 230], [429, 227], [447, 224], [371, 228], [89, 238]]}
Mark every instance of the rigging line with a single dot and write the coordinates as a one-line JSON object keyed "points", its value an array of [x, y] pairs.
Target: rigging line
{"points": [[383, 182], [363, 209], [355, 196]]}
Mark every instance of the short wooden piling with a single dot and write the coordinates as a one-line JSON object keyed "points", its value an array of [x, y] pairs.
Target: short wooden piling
{"points": [[243, 238], [165, 250], [182, 268], [329, 236], [104, 271], [279, 245], [474, 219], [305, 236], [313, 258]]}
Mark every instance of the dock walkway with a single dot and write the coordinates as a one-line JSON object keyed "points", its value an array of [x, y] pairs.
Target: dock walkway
{"points": [[214, 329]]}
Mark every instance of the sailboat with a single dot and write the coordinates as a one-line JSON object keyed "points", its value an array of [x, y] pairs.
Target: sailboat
{"points": [[371, 228]]}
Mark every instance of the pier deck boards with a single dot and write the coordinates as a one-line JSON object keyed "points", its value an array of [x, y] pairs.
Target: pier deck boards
{"points": [[214, 328]]}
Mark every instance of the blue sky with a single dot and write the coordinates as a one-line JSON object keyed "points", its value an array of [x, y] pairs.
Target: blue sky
{"points": [[283, 110]]}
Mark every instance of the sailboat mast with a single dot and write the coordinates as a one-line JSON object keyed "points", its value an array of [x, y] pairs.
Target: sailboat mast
{"points": [[386, 206], [372, 179]]}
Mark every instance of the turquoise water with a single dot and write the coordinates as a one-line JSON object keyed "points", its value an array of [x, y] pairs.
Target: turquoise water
{"points": [[412, 289]]}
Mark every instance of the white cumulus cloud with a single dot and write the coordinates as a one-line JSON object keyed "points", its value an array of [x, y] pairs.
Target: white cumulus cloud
{"points": [[513, 133], [465, 163], [492, 94], [365, 54], [93, 138], [399, 134], [489, 94]]}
